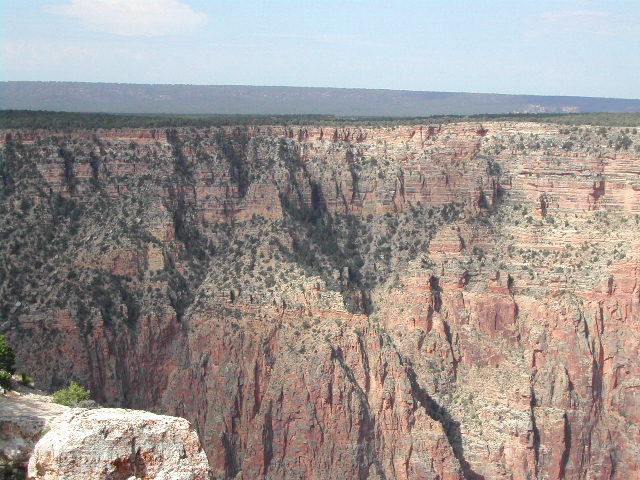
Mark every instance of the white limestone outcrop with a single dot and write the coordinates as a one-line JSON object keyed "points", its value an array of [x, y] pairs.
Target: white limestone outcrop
{"points": [[116, 443]]}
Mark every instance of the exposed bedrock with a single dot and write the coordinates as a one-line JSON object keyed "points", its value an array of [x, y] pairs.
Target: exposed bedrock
{"points": [[114, 443], [447, 301]]}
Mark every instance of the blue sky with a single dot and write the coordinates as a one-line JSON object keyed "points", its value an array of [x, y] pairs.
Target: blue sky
{"points": [[559, 47]]}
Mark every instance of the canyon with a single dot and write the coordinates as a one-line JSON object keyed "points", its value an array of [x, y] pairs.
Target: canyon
{"points": [[442, 301]]}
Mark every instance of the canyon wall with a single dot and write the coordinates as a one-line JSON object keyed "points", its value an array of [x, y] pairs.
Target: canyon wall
{"points": [[437, 301]]}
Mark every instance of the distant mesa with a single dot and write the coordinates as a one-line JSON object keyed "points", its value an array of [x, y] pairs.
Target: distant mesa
{"points": [[244, 99]]}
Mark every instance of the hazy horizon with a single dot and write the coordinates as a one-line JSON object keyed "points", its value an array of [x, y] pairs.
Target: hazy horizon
{"points": [[282, 100], [310, 87], [550, 48]]}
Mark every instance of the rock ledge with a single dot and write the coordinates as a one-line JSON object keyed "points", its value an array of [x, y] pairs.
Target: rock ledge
{"points": [[116, 443]]}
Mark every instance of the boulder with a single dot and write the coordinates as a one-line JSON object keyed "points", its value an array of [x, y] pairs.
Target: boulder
{"points": [[118, 444]]}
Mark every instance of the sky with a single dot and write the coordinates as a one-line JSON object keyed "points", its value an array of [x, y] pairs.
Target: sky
{"points": [[543, 47]]}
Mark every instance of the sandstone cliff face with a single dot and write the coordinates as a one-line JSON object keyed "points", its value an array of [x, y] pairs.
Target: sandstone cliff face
{"points": [[453, 301]]}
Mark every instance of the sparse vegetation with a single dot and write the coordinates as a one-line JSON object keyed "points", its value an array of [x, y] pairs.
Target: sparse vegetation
{"points": [[69, 121], [5, 379], [117, 250], [7, 363], [71, 396], [25, 380]]}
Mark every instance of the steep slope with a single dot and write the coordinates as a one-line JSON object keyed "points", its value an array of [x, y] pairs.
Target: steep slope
{"points": [[440, 301]]}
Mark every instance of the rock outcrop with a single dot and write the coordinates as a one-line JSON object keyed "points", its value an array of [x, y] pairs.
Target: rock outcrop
{"points": [[111, 443], [415, 302], [25, 415]]}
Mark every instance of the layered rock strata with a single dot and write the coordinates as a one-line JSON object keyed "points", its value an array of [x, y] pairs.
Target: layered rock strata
{"points": [[444, 301]]}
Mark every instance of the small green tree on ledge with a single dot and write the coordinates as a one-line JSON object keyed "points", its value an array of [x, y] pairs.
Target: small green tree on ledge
{"points": [[71, 396], [7, 357], [7, 363]]}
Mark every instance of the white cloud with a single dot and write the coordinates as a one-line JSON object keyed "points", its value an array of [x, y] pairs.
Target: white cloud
{"points": [[148, 18]]}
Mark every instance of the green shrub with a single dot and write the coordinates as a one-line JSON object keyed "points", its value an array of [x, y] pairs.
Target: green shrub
{"points": [[88, 404], [5, 379], [13, 470], [7, 357], [25, 380], [71, 395]]}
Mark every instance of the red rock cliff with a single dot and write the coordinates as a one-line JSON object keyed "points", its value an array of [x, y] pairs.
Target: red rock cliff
{"points": [[454, 301]]}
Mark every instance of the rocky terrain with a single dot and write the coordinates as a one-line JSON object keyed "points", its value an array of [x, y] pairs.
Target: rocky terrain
{"points": [[113, 443], [58, 442], [417, 302], [25, 415]]}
